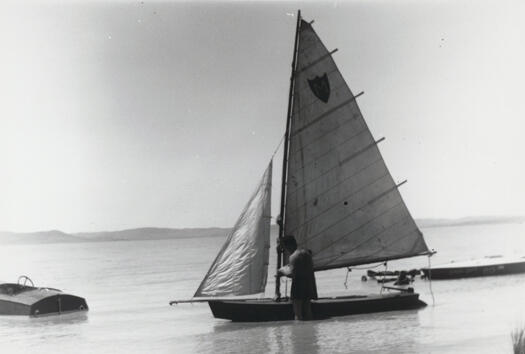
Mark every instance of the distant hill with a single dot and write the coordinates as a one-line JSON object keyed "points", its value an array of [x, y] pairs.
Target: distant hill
{"points": [[145, 233], [472, 220], [53, 236], [151, 233], [156, 233]]}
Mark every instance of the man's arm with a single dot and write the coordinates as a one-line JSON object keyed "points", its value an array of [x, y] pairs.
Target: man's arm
{"points": [[288, 269]]}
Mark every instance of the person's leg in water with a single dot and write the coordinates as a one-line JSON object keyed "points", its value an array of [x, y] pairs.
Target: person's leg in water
{"points": [[298, 309], [307, 310]]}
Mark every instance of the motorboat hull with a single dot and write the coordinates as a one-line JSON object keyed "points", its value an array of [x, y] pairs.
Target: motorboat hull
{"points": [[476, 268], [31, 301]]}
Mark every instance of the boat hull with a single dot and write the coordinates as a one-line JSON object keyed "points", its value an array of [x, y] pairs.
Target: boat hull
{"points": [[269, 310], [474, 271], [30, 301]]}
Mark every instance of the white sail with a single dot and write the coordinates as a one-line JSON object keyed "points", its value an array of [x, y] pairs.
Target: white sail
{"points": [[341, 201], [241, 267]]}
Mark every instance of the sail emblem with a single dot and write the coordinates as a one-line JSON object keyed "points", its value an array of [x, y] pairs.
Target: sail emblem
{"points": [[320, 87]]}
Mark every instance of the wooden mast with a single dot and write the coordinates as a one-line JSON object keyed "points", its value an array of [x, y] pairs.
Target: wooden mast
{"points": [[285, 156]]}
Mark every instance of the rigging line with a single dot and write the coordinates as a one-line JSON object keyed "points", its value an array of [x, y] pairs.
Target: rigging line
{"points": [[354, 230], [323, 115], [294, 210], [320, 157], [339, 165], [430, 280], [349, 269], [383, 284], [278, 146], [362, 243], [338, 203], [371, 267], [346, 279]]}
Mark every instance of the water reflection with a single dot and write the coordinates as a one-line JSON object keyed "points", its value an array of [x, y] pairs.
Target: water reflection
{"points": [[268, 337], [45, 321], [65, 319], [298, 337], [370, 333]]}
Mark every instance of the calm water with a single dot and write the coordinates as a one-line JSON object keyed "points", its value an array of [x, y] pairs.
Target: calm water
{"points": [[128, 286]]}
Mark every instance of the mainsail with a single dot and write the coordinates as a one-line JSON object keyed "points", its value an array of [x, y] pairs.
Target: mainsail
{"points": [[241, 267], [341, 201]]}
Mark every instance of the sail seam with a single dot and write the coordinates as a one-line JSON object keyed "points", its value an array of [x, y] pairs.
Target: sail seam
{"points": [[339, 164], [408, 254], [338, 184], [415, 230], [343, 253], [320, 117], [382, 194], [316, 61], [317, 158], [325, 134], [342, 219], [305, 49], [345, 198], [357, 153], [361, 226], [373, 260]]}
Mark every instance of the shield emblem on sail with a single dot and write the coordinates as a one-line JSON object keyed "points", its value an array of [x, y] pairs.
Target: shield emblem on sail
{"points": [[320, 87]]}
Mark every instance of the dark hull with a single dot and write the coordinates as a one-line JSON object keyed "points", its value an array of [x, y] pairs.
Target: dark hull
{"points": [[52, 305], [16, 299], [474, 271], [269, 310]]}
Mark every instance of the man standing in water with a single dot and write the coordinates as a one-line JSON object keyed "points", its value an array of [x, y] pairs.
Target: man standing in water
{"points": [[301, 269]]}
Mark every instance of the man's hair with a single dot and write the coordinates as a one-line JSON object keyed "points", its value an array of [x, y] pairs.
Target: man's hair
{"points": [[289, 242]]}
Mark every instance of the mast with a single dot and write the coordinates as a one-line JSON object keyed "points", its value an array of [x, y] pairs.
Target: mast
{"points": [[285, 155]]}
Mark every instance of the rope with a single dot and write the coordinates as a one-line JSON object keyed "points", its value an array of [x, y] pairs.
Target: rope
{"points": [[430, 280], [271, 158], [371, 267], [383, 284], [277, 148], [348, 270]]}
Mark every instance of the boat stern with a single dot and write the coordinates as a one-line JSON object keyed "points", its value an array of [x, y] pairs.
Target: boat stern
{"points": [[58, 304]]}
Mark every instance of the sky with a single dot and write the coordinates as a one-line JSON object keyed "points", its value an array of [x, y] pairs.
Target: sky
{"points": [[124, 114]]}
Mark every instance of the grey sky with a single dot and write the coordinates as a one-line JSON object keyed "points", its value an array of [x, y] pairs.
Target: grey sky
{"points": [[124, 114]]}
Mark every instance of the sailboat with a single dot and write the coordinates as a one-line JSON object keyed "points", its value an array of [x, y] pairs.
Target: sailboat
{"points": [[337, 198]]}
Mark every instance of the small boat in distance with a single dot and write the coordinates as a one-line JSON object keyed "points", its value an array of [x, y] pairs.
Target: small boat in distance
{"points": [[27, 300], [488, 266], [338, 200]]}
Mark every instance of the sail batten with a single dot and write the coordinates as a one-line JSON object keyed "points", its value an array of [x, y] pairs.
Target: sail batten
{"points": [[323, 115], [316, 61], [341, 201], [241, 267], [329, 170]]}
